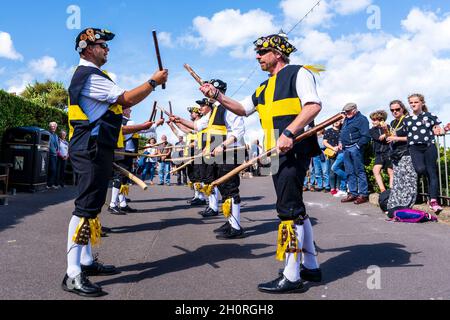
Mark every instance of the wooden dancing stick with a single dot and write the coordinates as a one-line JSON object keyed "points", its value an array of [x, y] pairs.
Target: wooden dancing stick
{"points": [[153, 115], [182, 167], [162, 110], [170, 108], [202, 155], [131, 176], [152, 146], [193, 74], [129, 154], [158, 55], [274, 150]]}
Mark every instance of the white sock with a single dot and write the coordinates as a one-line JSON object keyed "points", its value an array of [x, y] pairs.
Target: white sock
{"points": [[309, 259], [73, 250], [196, 194], [114, 197], [292, 265], [122, 200], [201, 196], [213, 201], [86, 255], [235, 219]]}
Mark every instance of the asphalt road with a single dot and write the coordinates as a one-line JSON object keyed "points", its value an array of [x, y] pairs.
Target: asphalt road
{"points": [[167, 251]]}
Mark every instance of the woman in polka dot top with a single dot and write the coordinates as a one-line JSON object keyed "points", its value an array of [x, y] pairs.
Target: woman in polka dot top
{"points": [[422, 126]]}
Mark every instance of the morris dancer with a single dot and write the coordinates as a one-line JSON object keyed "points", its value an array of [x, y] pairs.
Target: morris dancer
{"points": [[95, 120], [287, 102]]}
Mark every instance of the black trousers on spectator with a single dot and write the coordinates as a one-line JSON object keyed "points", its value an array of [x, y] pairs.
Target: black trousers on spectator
{"points": [[52, 170], [424, 159], [94, 169], [288, 182], [61, 172]]}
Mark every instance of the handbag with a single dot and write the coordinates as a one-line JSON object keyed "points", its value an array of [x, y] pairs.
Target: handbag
{"points": [[330, 153]]}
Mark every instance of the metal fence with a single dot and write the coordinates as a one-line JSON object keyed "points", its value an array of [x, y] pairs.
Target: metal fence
{"points": [[442, 143]]}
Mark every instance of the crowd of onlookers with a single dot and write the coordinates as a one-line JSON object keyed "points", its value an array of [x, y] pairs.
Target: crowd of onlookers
{"points": [[406, 149]]}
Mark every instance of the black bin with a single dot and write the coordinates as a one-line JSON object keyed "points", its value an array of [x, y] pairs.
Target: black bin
{"points": [[27, 149]]}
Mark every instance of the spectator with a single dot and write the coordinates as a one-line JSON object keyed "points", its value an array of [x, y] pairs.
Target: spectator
{"points": [[404, 187], [309, 181], [379, 132], [179, 152], [164, 165], [53, 157], [422, 126], [63, 155], [337, 176], [353, 139], [255, 151], [321, 167], [150, 163]]}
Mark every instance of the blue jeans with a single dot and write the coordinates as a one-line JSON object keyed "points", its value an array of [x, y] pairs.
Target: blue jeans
{"points": [[321, 171], [164, 172], [338, 168], [149, 167], [356, 173]]}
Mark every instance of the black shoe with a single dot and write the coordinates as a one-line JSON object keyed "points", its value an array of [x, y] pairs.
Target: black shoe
{"points": [[98, 269], [311, 275], [223, 229], [116, 211], [190, 200], [209, 213], [128, 209], [127, 200], [198, 202], [105, 229], [231, 234], [281, 285], [81, 286]]}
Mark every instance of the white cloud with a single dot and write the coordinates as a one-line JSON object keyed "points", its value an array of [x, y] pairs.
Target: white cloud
{"points": [[19, 83], [165, 38], [345, 7], [46, 66], [374, 68], [7, 47], [295, 10]]}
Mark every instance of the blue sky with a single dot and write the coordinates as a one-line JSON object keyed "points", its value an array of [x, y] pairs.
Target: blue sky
{"points": [[408, 52]]}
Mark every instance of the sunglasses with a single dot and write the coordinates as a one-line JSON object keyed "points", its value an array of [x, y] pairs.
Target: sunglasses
{"points": [[104, 45], [262, 52], [396, 110]]}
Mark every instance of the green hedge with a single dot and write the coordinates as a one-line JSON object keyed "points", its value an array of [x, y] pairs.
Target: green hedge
{"points": [[19, 112]]}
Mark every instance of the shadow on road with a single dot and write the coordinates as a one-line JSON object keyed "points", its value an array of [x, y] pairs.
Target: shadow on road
{"points": [[160, 200], [157, 225], [205, 255], [27, 204], [361, 257]]}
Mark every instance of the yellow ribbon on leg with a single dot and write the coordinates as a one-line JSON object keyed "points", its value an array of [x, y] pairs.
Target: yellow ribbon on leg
{"points": [[124, 189], [226, 207], [287, 241]]}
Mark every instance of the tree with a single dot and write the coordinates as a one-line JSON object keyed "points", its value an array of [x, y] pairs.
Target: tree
{"points": [[49, 93]]}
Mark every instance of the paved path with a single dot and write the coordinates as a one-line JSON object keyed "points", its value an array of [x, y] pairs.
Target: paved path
{"points": [[166, 251]]}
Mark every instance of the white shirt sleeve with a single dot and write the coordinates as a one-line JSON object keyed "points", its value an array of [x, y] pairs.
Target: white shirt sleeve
{"points": [[101, 89], [248, 105], [235, 125], [202, 123], [306, 87]]}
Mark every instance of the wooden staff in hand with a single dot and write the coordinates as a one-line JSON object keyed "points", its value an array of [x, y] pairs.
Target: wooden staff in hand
{"points": [[275, 150], [130, 176], [194, 74], [153, 115], [158, 55]]}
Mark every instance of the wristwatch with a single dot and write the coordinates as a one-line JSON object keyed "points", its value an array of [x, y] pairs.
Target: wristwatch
{"points": [[288, 134], [153, 83]]}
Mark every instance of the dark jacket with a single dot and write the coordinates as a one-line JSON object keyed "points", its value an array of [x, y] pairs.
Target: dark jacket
{"points": [[355, 131]]}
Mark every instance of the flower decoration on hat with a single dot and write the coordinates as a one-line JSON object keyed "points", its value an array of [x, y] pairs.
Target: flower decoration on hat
{"points": [[279, 42], [90, 36]]}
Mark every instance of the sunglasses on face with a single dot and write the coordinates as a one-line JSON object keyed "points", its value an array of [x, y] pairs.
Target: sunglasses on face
{"points": [[396, 110], [262, 52], [104, 45]]}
